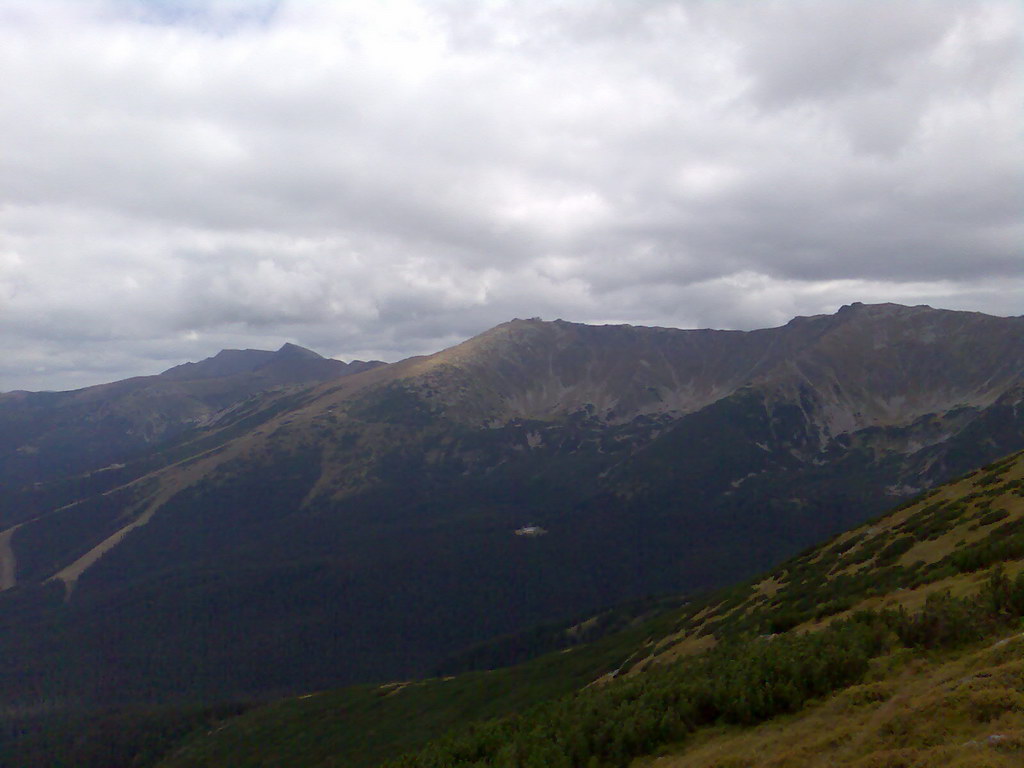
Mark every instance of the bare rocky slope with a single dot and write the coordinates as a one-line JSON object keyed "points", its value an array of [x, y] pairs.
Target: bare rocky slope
{"points": [[363, 528]]}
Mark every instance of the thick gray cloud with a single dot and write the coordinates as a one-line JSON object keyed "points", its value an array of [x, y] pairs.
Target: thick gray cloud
{"points": [[383, 179]]}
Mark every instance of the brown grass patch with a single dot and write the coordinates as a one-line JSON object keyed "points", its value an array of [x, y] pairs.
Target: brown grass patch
{"points": [[958, 710]]}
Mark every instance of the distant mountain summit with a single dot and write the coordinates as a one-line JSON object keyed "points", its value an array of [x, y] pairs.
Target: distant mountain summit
{"points": [[290, 364], [46, 434], [227, 362], [373, 513]]}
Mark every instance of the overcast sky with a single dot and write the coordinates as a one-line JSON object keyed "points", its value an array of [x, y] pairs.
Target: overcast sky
{"points": [[374, 180]]}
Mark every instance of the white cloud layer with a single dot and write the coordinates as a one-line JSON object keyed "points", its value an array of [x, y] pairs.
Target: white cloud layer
{"points": [[382, 179]]}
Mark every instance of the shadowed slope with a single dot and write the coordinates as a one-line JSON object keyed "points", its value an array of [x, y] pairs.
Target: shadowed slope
{"points": [[905, 707]]}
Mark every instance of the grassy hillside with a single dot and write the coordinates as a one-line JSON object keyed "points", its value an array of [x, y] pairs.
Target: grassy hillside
{"points": [[831, 634], [364, 725], [962, 708]]}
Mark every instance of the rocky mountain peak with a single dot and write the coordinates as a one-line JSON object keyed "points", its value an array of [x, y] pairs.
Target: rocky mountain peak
{"points": [[227, 362], [866, 364], [295, 351]]}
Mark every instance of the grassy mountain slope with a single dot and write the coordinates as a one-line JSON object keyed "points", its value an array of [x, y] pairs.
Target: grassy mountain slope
{"points": [[912, 591], [962, 708]]}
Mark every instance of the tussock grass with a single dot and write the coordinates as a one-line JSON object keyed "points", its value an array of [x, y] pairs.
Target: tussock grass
{"points": [[962, 709]]}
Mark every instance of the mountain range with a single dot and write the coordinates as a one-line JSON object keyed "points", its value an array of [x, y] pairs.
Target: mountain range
{"points": [[47, 435], [266, 522]]}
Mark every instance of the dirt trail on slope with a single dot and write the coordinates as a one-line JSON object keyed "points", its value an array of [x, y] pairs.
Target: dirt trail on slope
{"points": [[8, 563], [70, 573], [177, 477]]}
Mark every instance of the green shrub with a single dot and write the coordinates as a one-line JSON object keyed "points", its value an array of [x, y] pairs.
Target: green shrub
{"points": [[895, 549], [993, 517], [739, 682]]}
